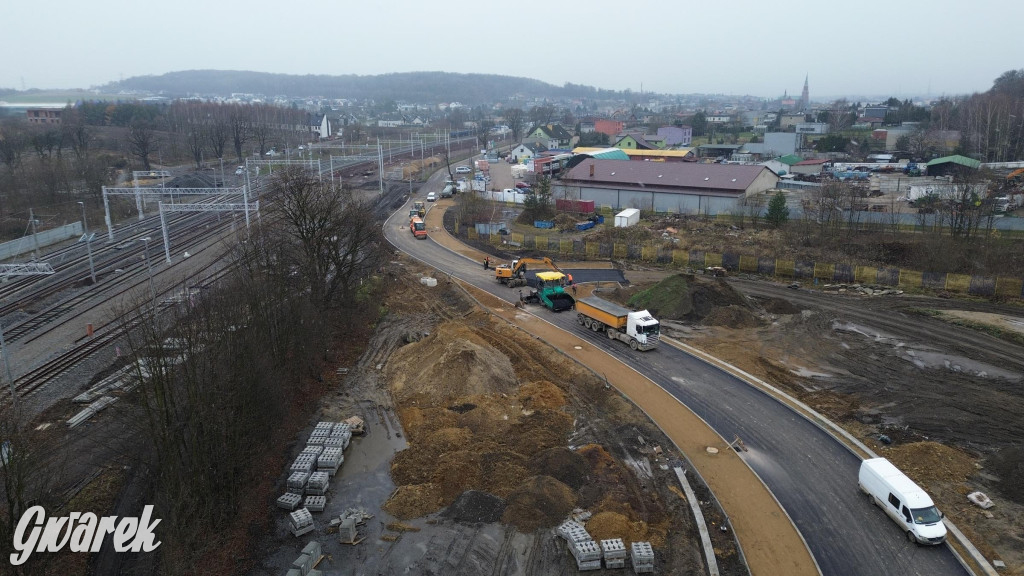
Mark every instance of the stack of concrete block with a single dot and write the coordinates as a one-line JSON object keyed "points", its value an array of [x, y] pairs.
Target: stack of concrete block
{"points": [[643, 557], [334, 442], [343, 431], [573, 532], [313, 449], [318, 483], [315, 503], [587, 555], [330, 460], [301, 522], [614, 552], [316, 438], [289, 501], [303, 564], [297, 482], [304, 462]]}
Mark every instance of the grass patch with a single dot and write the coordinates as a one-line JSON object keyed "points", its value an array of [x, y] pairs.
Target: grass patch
{"points": [[984, 327], [668, 298]]}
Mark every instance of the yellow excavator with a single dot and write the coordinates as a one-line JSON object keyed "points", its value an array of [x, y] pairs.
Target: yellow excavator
{"points": [[514, 274]]}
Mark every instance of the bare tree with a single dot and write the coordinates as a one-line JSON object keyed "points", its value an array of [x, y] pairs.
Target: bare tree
{"points": [[142, 141], [218, 132], [515, 118], [332, 244], [240, 121]]}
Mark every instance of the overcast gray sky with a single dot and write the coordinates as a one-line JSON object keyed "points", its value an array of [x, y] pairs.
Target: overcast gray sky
{"points": [[903, 47]]}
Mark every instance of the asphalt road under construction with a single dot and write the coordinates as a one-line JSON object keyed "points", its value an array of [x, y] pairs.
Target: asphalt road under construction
{"points": [[812, 474]]}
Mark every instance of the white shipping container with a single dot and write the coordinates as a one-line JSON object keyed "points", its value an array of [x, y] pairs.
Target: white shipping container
{"points": [[626, 218]]}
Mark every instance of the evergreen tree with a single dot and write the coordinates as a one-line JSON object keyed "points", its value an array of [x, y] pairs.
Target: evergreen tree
{"points": [[778, 212]]}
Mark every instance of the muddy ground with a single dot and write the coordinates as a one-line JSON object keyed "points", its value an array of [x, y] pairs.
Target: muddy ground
{"points": [[481, 440], [943, 401]]}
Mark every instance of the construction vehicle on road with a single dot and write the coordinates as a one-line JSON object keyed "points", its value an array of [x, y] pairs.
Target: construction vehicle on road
{"points": [[417, 227], [421, 208], [514, 274], [551, 293], [637, 328]]}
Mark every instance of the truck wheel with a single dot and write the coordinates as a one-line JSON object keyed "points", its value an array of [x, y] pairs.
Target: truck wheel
{"points": [[633, 344], [581, 319], [611, 333], [597, 327]]}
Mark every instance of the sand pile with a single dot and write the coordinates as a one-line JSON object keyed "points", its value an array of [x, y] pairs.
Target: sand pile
{"points": [[541, 394], [447, 365], [605, 525], [930, 462], [562, 464]]}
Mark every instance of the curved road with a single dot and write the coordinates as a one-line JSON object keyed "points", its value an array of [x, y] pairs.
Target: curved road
{"points": [[812, 474]]}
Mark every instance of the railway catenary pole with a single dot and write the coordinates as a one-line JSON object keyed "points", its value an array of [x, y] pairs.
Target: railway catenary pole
{"points": [[88, 244], [152, 291], [10, 377], [163, 229]]}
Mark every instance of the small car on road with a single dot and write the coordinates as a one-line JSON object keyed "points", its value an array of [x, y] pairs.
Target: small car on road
{"points": [[463, 170], [431, 197]]}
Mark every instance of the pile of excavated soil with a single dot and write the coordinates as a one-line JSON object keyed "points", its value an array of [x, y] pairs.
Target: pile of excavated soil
{"points": [[778, 306], [541, 394], [931, 462], [539, 502], [562, 464], [605, 525], [1008, 465], [412, 501], [683, 297], [476, 506], [488, 447], [732, 316], [447, 365]]}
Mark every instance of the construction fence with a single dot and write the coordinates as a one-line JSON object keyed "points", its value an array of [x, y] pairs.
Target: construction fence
{"points": [[664, 253]]}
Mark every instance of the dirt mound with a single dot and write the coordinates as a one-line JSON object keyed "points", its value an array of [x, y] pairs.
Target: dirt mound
{"points": [[605, 525], [541, 394], [448, 438], [475, 506], [563, 465], [778, 306], [931, 462], [541, 430], [732, 317], [687, 297], [413, 501], [450, 364], [539, 502]]}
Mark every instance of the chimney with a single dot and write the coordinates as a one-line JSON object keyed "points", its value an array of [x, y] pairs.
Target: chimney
{"points": [[591, 170]]}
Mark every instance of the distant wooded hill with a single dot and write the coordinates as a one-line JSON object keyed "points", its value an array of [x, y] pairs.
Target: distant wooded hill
{"points": [[426, 87]]}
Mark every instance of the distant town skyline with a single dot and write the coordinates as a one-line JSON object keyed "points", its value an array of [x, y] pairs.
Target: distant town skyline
{"points": [[910, 48]]}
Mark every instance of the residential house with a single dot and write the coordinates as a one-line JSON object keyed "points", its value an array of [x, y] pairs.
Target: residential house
{"points": [[791, 119], [527, 151], [552, 136], [320, 126], [610, 127], [635, 142], [676, 135], [44, 115]]}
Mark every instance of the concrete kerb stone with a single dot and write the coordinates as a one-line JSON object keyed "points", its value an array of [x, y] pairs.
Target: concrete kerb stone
{"points": [[702, 527], [839, 433]]}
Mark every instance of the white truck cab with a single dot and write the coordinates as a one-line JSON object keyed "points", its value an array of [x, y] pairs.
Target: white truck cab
{"points": [[905, 502]]}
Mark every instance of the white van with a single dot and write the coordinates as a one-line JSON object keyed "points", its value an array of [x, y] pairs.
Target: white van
{"points": [[905, 502]]}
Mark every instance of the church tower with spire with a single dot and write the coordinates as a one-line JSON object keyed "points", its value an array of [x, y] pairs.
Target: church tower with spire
{"points": [[805, 99]]}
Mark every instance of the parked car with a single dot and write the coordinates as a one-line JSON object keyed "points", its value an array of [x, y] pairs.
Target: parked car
{"points": [[431, 197], [463, 169], [522, 185], [240, 170]]}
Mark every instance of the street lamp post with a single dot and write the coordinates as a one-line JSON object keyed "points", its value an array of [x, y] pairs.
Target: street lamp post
{"points": [[145, 253], [88, 245]]}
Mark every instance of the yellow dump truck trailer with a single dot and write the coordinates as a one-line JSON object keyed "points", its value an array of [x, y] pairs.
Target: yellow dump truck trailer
{"points": [[637, 328]]}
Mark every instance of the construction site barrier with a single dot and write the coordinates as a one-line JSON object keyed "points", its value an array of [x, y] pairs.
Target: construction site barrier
{"points": [[823, 272]]}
